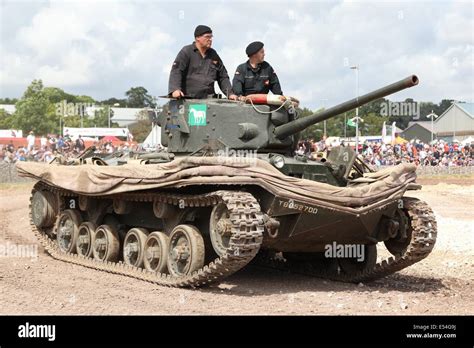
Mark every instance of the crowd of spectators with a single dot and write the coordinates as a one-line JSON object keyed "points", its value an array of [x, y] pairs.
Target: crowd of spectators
{"points": [[438, 153], [51, 146], [377, 153]]}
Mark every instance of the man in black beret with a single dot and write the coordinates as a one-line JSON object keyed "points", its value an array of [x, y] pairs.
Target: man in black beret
{"points": [[197, 67], [255, 76]]}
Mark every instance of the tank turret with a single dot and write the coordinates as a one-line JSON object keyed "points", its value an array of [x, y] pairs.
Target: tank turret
{"points": [[189, 125]]}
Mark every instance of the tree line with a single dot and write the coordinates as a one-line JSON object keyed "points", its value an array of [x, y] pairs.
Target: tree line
{"points": [[373, 115], [36, 110]]}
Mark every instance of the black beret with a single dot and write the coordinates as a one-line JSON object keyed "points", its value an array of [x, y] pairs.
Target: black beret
{"points": [[253, 48], [201, 30]]}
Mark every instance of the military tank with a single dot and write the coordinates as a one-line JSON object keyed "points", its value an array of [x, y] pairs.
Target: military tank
{"points": [[228, 192]]}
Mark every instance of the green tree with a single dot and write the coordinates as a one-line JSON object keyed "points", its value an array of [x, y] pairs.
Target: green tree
{"points": [[374, 123], [35, 112], [8, 100], [138, 97], [403, 120], [6, 120], [113, 101], [443, 106], [312, 131], [374, 106], [337, 126], [84, 99], [141, 128], [101, 118], [56, 95], [426, 108]]}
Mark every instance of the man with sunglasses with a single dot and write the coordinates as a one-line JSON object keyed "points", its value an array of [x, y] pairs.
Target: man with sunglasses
{"points": [[197, 67]]}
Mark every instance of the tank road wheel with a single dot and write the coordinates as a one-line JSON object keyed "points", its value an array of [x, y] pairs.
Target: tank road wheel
{"points": [[399, 244], [106, 243], [186, 250], [84, 239], [134, 245], [67, 228], [44, 208], [156, 252], [220, 229], [353, 265]]}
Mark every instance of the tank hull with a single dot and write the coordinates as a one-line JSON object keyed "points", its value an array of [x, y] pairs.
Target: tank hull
{"points": [[225, 222]]}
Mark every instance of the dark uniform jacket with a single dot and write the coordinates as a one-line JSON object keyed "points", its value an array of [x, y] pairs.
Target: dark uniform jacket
{"points": [[262, 79], [195, 75]]}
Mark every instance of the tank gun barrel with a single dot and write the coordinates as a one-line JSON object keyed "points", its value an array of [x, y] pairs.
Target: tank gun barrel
{"points": [[298, 125]]}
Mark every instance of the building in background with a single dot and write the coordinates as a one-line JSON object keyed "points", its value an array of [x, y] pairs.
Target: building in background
{"points": [[456, 123], [418, 130]]}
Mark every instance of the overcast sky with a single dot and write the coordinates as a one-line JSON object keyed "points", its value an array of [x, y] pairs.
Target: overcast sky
{"points": [[102, 48]]}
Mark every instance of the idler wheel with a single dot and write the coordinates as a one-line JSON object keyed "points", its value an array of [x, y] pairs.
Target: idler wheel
{"points": [[398, 245], [44, 208]]}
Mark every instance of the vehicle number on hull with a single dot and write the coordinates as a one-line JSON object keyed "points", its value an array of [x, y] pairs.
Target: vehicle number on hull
{"points": [[297, 206]]}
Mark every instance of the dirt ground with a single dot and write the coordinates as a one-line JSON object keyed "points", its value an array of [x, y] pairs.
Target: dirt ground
{"points": [[440, 284]]}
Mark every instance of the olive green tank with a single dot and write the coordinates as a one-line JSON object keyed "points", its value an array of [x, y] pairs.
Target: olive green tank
{"points": [[228, 192]]}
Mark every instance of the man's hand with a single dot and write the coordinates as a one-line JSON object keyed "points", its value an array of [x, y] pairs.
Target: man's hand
{"points": [[177, 94], [232, 97]]}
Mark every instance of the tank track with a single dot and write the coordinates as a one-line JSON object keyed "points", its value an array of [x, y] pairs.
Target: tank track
{"points": [[246, 237], [424, 231]]}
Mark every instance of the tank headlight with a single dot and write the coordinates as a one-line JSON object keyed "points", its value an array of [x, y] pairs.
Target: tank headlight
{"points": [[278, 161]]}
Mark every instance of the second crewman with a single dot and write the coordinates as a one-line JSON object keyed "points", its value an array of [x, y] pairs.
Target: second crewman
{"points": [[255, 76]]}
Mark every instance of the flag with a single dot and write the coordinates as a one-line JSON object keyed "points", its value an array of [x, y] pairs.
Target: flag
{"points": [[351, 123], [384, 132], [393, 132]]}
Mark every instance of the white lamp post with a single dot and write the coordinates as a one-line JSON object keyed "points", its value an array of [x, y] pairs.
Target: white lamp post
{"points": [[324, 123], [116, 104], [356, 68], [432, 116], [454, 120]]}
